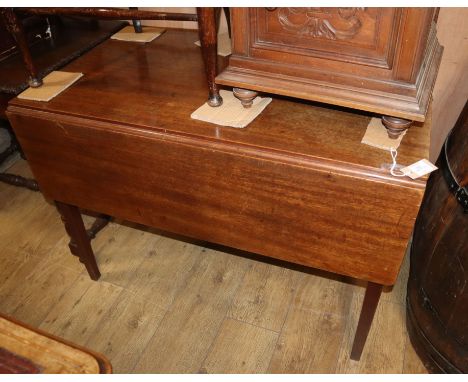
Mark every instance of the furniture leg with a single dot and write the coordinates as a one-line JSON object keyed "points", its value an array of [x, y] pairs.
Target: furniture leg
{"points": [[15, 180], [208, 42], [369, 305], [19, 181], [245, 96], [15, 27], [98, 225], [136, 23], [395, 126], [80, 243]]}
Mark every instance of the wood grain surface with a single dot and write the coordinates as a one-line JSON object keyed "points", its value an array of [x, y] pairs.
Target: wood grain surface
{"points": [[46, 353], [254, 346], [188, 329], [283, 187], [294, 191], [131, 323], [157, 98]]}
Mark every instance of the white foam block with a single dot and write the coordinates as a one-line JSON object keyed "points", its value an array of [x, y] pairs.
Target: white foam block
{"points": [[231, 113], [128, 33], [53, 84], [376, 136]]}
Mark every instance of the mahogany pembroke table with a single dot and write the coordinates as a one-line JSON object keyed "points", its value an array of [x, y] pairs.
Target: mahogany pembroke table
{"points": [[296, 184]]}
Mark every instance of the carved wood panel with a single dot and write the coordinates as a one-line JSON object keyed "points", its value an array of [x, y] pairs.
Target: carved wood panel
{"points": [[354, 34], [330, 23]]}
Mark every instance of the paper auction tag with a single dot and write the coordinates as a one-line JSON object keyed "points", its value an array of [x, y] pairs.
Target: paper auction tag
{"points": [[418, 169]]}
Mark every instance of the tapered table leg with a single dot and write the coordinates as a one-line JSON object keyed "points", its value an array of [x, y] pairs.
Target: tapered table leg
{"points": [[80, 243], [371, 300], [209, 48]]}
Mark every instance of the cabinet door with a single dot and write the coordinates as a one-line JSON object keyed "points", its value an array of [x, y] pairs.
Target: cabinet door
{"points": [[366, 36]]}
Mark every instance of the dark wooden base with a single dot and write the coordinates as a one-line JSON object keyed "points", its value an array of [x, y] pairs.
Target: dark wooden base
{"points": [[395, 126], [245, 96]]}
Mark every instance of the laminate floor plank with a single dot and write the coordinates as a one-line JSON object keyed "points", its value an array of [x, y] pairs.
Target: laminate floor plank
{"points": [[29, 210], [125, 330], [20, 167], [120, 251], [29, 267], [76, 316], [385, 347], [412, 363], [187, 331], [10, 262], [265, 295], [164, 270], [312, 334], [30, 302], [10, 194], [320, 293], [254, 348]]}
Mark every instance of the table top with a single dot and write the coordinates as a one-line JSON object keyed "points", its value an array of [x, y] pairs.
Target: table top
{"points": [[156, 86], [30, 351]]}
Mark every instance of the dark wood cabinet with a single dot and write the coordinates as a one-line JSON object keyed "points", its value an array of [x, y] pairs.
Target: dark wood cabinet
{"points": [[437, 297], [383, 60]]}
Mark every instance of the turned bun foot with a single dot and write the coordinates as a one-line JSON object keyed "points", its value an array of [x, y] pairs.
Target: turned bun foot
{"points": [[35, 82], [395, 126], [215, 100], [245, 96]]}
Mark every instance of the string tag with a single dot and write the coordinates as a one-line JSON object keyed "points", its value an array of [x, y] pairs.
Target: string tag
{"points": [[393, 170], [414, 171], [418, 169]]}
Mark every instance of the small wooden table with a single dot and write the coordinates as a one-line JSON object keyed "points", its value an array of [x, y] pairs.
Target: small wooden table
{"points": [[26, 350], [296, 184]]}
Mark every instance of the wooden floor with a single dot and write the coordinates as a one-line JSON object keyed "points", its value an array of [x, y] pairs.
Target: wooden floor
{"points": [[164, 305]]}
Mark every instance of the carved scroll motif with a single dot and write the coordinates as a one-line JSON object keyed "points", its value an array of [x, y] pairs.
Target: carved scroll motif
{"points": [[329, 23]]}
